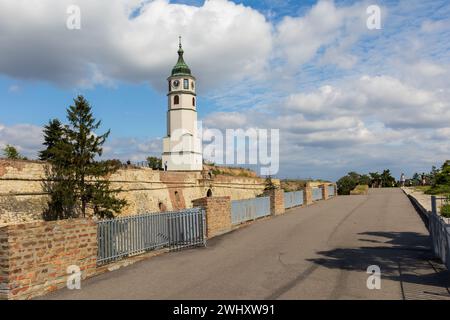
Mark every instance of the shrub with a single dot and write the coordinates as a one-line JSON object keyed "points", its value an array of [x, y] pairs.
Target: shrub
{"points": [[445, 210]]}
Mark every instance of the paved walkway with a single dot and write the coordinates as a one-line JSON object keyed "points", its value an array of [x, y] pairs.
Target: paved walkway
{"points": [[318, 252]]}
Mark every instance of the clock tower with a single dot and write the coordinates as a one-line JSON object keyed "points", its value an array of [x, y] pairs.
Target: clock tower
{"points": [[182, 147]]}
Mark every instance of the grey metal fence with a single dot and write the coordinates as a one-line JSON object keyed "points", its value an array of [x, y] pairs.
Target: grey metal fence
{"points": [[439, 231], [317, 193], [330, 191], [249, 209], [132, 235], [293, 199]]}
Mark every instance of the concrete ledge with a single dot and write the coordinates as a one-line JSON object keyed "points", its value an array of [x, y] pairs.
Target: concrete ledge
{"points": [[423, 212]]}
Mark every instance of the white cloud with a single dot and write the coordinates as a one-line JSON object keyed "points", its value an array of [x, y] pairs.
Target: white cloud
{"points": [[222, 41], [27, 138], [324, 26]]}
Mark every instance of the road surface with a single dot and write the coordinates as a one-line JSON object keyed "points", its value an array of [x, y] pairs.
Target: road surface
{"points": [[318, 252]]}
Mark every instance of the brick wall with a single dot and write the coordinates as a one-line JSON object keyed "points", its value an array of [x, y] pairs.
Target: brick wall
{"points": [[276, 201], [34, 256], [325, 194], [308, 194], [218, 214]]}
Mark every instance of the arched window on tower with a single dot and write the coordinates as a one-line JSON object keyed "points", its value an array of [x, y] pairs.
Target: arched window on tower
{"points": [[193, 102], [176, 100]]}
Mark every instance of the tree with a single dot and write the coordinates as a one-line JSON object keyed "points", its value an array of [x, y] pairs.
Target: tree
{"points": [[387, 180], [155, 163], [53, 133], [433, 175], [269, 185], [375, 179], [76, 180], [348, 182], [443, 177], [10, 152]]}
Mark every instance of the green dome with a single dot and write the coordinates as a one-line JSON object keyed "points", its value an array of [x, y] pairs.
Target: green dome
{"points": [[181, 68]]}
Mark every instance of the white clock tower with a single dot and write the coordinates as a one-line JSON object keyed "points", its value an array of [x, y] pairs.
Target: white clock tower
{"points": [[182, 148]]}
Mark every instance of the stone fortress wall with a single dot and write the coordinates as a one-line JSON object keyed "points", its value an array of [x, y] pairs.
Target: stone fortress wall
{"points": [[23, 199]]}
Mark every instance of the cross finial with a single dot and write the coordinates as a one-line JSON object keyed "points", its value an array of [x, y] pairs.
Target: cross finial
{"points": [[179, 37]]}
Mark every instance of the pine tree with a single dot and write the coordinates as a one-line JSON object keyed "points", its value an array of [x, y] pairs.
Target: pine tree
{"points": [[78, 181], [53, 134]]}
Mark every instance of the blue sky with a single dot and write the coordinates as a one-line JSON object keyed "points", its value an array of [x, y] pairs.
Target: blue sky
{"points": [[344, 98]]}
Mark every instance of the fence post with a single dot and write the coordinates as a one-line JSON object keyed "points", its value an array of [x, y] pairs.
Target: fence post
{"points": [[325, 192], [276, 201], [217, 214], [433, 205], [308, 194]]}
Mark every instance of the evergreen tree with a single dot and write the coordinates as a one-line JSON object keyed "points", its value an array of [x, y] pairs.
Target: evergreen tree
{"points": [[53, 134], [77, 182]]}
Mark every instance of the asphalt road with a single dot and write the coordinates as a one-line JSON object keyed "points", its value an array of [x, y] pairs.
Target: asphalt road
{"points": [[318, 252]]}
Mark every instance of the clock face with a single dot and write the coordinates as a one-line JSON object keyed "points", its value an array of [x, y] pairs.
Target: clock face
{"points": [[176, 83]]}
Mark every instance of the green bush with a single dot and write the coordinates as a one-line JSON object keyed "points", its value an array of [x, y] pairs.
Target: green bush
{"points": [[439, 189], [445, 210]]}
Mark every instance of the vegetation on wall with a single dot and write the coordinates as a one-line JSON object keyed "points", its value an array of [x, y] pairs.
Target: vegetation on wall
{"points": [[10, 152], [269, 185], [76, 181]]}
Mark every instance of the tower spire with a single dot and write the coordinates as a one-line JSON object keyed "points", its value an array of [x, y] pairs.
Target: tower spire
{"points": [[181, 68]]}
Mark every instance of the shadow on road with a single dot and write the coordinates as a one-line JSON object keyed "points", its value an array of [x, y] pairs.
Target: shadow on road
{"points": [[402, 256]]}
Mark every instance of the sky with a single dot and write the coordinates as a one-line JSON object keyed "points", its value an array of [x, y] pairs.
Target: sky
{"points": [[345, 98]]}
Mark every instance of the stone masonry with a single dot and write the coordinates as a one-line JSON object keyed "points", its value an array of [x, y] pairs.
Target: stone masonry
{"points": [[218, 214], [34, 256], [325, 194], [308, 194], [276, 201], [22, 198]]}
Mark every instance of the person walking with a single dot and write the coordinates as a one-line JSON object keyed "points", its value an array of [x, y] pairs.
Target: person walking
{"points": [[402, 180]]}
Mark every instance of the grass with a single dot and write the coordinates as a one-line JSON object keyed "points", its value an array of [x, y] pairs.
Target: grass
{"points": [[360, 189], [423, 189]]}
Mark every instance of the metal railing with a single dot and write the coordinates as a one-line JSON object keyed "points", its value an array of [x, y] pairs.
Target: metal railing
{"points": [[293, 199], [437, 203], [132, 235], [249, 209], [439, 231], [330, 191], [317, 193]]}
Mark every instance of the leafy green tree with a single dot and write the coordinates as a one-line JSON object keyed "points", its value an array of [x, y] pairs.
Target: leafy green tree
{"points": [[11, 152], [387, 180], [53, 133], [375, 179], [365, 180], [433, 175], [155, 163], [443, 177], [76, 180], [348, 183]]}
